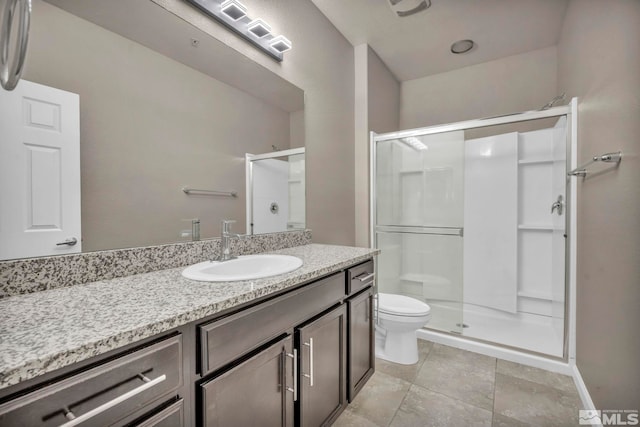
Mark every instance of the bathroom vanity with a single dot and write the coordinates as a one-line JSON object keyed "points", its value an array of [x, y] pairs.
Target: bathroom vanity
{"points": [[157, 349]]}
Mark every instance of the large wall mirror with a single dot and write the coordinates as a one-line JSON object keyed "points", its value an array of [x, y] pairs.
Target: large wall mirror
{"points": [[162, 106]]}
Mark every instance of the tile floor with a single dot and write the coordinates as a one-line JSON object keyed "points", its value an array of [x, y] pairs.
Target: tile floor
{"points": [[449, 387]]}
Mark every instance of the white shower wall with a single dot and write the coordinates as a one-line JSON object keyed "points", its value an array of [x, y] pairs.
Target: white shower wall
{"points": [[297, 189], [270, 185], [491, 222]]}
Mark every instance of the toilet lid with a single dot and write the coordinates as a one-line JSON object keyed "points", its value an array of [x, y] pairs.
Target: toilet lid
{"points": [[402, 305]]}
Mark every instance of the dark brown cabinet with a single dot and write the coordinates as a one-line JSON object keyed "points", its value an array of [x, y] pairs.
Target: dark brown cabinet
{"points": [[361, 351], [322, 351], [105, 394], [258, 391], [292, 359]]}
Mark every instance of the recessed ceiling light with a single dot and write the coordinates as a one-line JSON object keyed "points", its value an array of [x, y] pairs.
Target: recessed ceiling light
{"points": [[281, 44], [233, 9], [258, 28], [462, 46]]}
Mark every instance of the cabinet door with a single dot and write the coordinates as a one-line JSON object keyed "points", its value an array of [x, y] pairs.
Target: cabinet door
{"points": [[254, 393], [322, 349], [361, 357]]}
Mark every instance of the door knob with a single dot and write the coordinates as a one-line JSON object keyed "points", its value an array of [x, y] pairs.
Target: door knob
{"points": [[69, 242]]}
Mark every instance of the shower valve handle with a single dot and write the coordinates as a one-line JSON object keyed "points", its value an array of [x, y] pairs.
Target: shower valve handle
{"points": [[558, 204]]}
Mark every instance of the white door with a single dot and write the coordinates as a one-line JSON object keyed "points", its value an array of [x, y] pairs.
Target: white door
{"points": [[39, 171]]}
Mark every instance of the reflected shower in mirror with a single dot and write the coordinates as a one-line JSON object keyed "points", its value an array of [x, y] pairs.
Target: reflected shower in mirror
{"points": [[276, 191]]}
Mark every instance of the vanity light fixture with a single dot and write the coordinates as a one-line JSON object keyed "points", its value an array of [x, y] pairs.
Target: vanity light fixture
{"points": [[281, 44], [259, 28], [233, 9], [234, 15]]}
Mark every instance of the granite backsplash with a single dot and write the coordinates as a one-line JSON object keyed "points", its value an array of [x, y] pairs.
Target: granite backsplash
{"points": [[39, 274]]}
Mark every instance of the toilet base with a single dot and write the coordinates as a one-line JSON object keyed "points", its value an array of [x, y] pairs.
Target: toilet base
{"points": [[397, 347]]}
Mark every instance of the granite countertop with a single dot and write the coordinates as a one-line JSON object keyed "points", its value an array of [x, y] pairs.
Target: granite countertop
{"points": [[44, 331]]}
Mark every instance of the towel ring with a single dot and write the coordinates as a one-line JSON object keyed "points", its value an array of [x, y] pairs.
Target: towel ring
{"points": [[10, 73]]}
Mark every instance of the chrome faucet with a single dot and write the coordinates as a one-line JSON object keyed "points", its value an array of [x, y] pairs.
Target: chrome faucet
{"points": [[225, 238]]}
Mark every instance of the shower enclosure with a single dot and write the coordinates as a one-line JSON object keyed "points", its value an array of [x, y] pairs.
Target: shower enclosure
{"points": [[472, 218]]}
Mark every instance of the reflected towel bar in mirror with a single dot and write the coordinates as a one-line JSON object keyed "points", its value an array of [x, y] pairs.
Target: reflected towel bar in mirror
{"points": [[188, 190]]}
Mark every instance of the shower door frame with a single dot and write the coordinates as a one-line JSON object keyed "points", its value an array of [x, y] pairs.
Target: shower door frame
{"points": [[571, 112]]}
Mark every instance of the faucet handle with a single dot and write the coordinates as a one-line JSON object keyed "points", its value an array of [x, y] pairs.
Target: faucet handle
{"points": [[226, 225]]}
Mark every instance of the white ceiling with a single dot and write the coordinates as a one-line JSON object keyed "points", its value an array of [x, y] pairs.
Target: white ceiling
{"points": [[419, 45]]}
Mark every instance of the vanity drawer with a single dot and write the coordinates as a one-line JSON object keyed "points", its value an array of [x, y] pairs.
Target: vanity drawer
{"points": [[102, 395], [224, 340], [171, 416], [360, 277]]}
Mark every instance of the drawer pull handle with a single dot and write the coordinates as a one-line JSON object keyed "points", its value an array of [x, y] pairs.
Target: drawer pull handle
{"points": [[310, 374], [294, 390], [74, 421], [365, 277]]}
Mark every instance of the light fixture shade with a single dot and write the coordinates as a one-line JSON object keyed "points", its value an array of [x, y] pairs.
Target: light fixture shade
{"points": [[233, 9], [258, 28], [235, 16], [280, 44]]}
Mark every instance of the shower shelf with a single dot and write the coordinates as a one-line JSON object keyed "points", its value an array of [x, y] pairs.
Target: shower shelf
{"points": [[425, 278], [536, 295], [413, 277], [538, 227], [535, 161]]}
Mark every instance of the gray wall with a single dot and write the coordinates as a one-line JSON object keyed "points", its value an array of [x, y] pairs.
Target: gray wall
{"points": [[599, 62], [508, 85], [149, 125], [377, 110]]}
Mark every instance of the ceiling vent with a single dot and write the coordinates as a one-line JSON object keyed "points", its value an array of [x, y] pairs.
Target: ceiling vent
{"points": [[404, 8]]}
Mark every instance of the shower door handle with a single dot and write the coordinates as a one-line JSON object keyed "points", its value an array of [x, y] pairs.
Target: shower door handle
{"points": [[558, 205]]}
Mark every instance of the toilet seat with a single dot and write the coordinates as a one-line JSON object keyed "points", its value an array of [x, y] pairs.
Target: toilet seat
{"points": [[400, 305]]}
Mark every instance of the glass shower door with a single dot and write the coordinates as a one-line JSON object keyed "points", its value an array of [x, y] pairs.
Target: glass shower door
{"points": [[418, 217]]}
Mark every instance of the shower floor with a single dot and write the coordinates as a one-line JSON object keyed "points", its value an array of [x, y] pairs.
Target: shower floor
{"points": [[541, 334]]}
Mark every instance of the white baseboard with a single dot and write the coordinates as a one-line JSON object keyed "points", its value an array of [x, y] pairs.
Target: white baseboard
{"points": [[587, 403]]}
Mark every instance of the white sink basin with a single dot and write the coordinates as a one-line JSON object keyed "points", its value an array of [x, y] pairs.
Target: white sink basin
{"points": [[242, 268]]}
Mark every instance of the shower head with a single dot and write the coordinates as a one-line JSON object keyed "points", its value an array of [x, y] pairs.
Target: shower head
{"points": [[553, 102]]}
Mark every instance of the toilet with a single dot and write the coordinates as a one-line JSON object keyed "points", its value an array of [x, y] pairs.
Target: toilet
{"points": [[399, 317]]}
